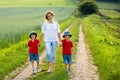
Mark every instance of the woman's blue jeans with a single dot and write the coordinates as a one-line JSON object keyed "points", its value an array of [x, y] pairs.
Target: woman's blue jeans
{"points": [[51, 51]]}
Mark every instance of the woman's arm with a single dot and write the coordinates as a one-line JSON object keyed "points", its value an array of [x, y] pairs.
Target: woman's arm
{"points": [[59, 36], [41, 36]]}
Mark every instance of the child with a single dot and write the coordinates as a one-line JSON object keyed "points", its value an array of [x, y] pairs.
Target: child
{"points": [[33, 45], [67, 46]]}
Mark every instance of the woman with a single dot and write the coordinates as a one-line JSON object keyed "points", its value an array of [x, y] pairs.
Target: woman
{"points": [[51, 33]]}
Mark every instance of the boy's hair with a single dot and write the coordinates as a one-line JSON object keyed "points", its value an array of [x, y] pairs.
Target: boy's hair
{"points": [[33, 32]]}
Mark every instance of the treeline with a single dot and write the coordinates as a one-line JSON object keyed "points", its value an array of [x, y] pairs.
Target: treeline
{"points": [[110, 0]]}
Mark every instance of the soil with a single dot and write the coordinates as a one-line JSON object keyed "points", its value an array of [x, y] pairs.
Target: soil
{"points": [[84, 68]]}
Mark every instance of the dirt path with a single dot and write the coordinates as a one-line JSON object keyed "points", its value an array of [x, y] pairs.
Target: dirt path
{"points": [[26, 72], [83, 69]]}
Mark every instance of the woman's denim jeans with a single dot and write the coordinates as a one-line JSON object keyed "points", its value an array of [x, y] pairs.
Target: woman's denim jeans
{"points": [[51, 51]]}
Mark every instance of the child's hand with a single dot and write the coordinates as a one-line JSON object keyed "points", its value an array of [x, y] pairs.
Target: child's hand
{"points": [[38, 44]]}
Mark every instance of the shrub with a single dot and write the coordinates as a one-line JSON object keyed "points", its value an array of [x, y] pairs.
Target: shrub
{"points": [[88, 7]]}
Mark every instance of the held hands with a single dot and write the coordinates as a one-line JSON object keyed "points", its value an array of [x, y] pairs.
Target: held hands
{"points": [[39, 44], [60, 44]]}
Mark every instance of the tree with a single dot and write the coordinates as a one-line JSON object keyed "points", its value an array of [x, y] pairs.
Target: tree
{"points": [[88, 7]]}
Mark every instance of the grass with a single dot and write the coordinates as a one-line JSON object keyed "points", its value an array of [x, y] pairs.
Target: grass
{"points": [[59, 71], [16, 55], [35, 3], [108, 5], [16, 22], [104, 45]]}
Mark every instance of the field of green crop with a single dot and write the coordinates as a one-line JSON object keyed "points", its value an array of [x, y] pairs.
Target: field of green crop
{"points": [[36, 3], [16, 22], [103, 39], [108, 5]]}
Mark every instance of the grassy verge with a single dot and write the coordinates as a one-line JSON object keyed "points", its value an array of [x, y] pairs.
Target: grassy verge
{"points": [[105, 46], [16, 55], [59, 71]]}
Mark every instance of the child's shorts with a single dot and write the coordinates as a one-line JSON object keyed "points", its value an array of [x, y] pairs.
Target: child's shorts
{"points": [[67, 59], [34, 57]]}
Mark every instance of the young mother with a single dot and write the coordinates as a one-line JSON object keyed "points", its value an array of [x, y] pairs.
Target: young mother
{"points": [[51, 33]]}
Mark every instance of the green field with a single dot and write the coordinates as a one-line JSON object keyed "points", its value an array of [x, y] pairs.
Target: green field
{"points": [[36, 3], [22, 20], [108, 5]]}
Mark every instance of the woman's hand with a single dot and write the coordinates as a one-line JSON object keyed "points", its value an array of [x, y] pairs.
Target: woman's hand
{"points": [[60, 44]]}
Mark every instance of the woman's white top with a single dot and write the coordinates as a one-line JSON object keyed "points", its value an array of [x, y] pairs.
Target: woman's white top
{"points": [[50, 31]]}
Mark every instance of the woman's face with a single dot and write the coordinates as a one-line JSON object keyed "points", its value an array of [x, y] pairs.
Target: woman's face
{"points": [[49, 16]]}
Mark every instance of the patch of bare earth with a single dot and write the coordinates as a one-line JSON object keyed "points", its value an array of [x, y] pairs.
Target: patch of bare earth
{"points": [[84, 68]]}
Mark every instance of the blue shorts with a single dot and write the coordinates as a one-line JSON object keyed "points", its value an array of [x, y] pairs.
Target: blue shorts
{"points": [[67, 59], [34, 57]]}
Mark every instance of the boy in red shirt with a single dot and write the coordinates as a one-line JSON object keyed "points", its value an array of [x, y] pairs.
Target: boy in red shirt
{"points": [[33, 45], [67, 46]]}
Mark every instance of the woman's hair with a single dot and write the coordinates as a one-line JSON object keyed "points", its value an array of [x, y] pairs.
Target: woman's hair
{"points": [[48, 12]]}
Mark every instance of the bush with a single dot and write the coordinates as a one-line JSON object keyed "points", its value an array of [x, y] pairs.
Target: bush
{"points": [[88, 7]]}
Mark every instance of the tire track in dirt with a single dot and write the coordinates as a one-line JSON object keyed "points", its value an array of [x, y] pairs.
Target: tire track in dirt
{"points": [[83, 69]]}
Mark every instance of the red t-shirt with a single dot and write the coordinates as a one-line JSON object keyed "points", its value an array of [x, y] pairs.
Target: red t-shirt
{"points": [[66, 47], [33, 46]]}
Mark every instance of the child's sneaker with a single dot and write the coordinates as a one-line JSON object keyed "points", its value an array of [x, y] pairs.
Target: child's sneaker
{"points": [[68, 71], [33, 71], [38, 69], [48, 70]]}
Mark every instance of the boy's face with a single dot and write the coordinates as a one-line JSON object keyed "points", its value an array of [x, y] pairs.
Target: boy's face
{"points": [[67, 37], [33, 36]]}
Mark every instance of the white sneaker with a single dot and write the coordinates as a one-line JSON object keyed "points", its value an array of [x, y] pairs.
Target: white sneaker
{"points": [[38, 69], [48, 70], [33, 71]]}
